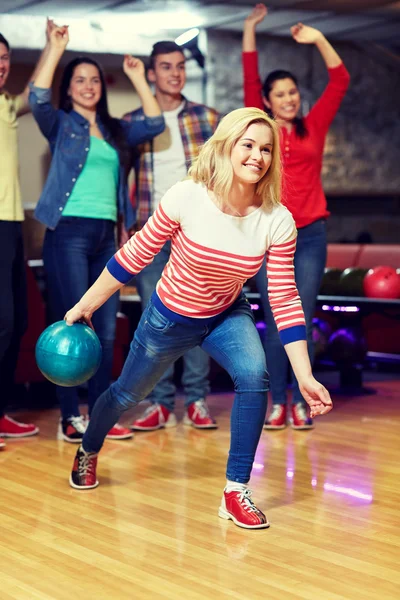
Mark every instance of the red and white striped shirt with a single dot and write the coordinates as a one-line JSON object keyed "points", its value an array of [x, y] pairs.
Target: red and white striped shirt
{"points": [[213, 254]]}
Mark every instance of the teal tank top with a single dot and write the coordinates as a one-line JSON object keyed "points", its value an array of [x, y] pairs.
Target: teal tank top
{"points": [[95, 193]]}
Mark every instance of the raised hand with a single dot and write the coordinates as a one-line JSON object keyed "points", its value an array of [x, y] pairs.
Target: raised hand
{"points": [[257, 15], [50, 25], [133, 67], [316, 396], [303, 34], [58, 36]]}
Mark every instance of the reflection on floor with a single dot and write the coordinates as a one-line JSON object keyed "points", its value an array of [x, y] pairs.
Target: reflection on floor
{"points": [[151, 530]]}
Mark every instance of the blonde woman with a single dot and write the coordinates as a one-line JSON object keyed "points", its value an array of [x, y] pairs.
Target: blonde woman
{"points": [[222, 222]]}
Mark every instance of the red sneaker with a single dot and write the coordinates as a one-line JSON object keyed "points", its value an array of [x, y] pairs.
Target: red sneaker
{"points": [[197, 415], [2, 443], [83, 476], [72, 429], [119, 433], [14, 429], [154, 417], [238, 506], [300, 418], [277, 417]]}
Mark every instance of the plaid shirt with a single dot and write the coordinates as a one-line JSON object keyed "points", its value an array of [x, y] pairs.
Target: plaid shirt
{"points": [[196, 123]]}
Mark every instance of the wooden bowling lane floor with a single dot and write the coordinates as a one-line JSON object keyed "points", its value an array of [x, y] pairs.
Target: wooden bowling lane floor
{"points": [[151, 530]]}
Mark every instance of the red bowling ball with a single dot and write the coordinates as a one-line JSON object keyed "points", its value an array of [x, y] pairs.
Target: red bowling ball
{"points": [[382, 282]]}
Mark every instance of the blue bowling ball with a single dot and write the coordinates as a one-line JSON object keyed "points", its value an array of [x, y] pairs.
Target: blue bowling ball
{"points": [[68, 355]]}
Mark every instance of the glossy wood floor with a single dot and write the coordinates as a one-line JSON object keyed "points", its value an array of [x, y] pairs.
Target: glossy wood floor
{"points": [[151, 529]]}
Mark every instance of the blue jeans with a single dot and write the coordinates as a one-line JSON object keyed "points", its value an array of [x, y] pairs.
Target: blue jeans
{"points": [[74, 255], [309, 264], [232, 340], [196, 365]]}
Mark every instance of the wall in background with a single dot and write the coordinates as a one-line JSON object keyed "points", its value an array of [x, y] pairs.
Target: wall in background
{"points": [[361, 173]]}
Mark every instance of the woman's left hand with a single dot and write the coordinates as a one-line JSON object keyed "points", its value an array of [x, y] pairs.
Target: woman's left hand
{"points": [[316, 396], [303, 34], [133, 67], [78, 314]]}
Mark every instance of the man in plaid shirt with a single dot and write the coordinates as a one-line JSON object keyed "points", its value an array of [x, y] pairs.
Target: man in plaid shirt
{"points": [[160, 164]]}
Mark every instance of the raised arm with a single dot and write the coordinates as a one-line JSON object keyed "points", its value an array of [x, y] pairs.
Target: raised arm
{"points": [[303, 34], [58, 40], [135, 71], [251, 78], [257, 15], [326, 107], [141, 129], [23, 104], [45, 114]]}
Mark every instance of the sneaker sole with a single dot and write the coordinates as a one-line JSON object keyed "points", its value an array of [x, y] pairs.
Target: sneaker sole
{"points": [[272, 427], [2, 445], [302, 427], [125, 436], [65, 438], [20, 435], [224, 514], [189, 423], [82, 487]]}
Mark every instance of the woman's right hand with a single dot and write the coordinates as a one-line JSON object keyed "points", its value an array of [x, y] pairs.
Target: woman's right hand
{"points": [[58, 36], [257, 15], [78, 314]]}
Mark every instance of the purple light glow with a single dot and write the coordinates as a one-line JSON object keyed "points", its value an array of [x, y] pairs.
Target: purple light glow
{"points": [[335, 308], [290, 474], [313, 482], [258, 466], [261, 325], [254, 306], [330, 487]]}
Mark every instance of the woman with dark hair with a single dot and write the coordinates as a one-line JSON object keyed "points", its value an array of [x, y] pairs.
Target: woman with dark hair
{"points": [[302, 144], [84, 194]]}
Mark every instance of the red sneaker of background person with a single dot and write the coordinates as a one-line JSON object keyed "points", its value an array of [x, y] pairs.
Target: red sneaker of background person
{"points": [[197, 415], [13, 429]]}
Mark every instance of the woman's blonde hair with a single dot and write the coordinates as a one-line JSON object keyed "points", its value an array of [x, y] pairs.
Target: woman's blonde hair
{"points": [[213, 166]]}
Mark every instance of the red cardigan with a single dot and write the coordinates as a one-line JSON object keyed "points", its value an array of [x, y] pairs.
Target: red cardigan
{"points": [[302, 190]]}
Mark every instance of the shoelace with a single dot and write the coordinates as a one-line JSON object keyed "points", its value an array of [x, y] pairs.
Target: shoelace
{"points": [[275, 412], [202, 408], [301, 412], [79, 424], [150, 410], [246, 501], [86, 464]]}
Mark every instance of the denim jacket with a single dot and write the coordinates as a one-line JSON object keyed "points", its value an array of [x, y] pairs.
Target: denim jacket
{"points": [[69, 138]]}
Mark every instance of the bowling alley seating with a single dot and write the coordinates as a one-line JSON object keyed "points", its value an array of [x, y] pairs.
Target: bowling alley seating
{"points": [[381, 327], [366, 256]]}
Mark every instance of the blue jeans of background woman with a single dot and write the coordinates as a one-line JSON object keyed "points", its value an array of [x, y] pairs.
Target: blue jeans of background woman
{"points": [[309, 264], [232, 340], [74, 255], [196, 366]]}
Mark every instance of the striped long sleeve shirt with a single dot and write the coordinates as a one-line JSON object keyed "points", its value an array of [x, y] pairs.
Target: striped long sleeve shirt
{"points": [[213, 254]]}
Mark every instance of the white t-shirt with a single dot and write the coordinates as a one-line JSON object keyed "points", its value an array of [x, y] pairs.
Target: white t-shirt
{"points": [[169, 161]]}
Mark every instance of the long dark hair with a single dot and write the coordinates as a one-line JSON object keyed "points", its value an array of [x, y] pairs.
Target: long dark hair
{"points": [[112, 125], [298, 122], [4, 41]]}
